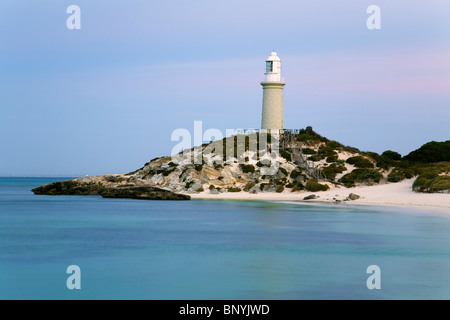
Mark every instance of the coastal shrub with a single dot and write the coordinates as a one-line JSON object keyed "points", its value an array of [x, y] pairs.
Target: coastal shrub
{"points": [[166, 172], [290, 185], [430, 185], [308, 151], [198, 167], [391, 155], [280, 181], [383, 164], [361, 176], [315, 158], [308, 134], [189, 184], [283, 171], [234, 189], [332, 170], [247, 168], [220, 178], [280, 189], [332, 159], [259, 164], [211, 187], [313, 185], [334, 145], [295, 173], [430, 152], [399, 174], [249, 185], [200, 189], [286, 155], [325, 151], [360, 162], [375, 157], [297, 187], [351, 149]]}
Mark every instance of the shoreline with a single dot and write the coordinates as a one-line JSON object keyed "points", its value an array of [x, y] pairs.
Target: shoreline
{"points": [[391, 195]]}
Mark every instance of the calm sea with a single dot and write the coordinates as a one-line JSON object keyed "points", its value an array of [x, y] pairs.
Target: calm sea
{"points": [[131, 249]]}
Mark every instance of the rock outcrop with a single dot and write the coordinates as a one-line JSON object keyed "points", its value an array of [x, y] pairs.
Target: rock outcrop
{"points": [[109, 186], [141, 193]]}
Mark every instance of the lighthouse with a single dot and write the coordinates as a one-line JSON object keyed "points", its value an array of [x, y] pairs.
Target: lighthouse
{"points": [[272, 110]]}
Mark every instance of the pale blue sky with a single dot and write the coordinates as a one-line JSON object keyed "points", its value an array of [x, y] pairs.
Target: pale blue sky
{"points": [[106, 98]]}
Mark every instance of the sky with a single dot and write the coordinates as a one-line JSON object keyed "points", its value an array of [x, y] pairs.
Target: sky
{"points": [[107, 97]]}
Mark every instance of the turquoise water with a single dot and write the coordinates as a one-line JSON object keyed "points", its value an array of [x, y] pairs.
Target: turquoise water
{"points": [[131, 249]]}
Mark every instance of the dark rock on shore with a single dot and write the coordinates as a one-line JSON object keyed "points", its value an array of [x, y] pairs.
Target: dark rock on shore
{"points": [[109, 187], [69, 187], [141, 192], [310, 197]]}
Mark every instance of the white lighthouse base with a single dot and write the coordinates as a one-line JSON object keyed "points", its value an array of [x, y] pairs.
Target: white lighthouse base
{"points": [[272, 111]]}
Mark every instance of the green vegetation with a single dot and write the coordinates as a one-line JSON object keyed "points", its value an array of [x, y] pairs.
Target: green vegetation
{"points": [[399, 174], [313, 185], [247, 168], [297, 187], [234, 189], [362, 176], [280, 189], [427, 183], [280, 181], [308, 151], [391, 155], [360, 162], [286, 155], [198, 167], [189, 184], [334, 145], [308, 134], [283, 171], [332, 159], [351, 149], [332, 170], [296, 173], [430, 152], [249, 185]]}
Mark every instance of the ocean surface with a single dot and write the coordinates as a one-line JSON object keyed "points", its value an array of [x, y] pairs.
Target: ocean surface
{"points": [[134, 249]]}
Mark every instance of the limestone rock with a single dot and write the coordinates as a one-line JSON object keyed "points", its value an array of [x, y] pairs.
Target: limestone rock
{"points": [[142, 193], [352, 197]]}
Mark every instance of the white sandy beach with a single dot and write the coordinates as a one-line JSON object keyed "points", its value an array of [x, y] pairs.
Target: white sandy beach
{"points": [[392, 194]]}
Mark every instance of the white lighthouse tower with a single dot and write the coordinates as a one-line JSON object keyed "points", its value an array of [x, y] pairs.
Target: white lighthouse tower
{"points": [[272, 111]]}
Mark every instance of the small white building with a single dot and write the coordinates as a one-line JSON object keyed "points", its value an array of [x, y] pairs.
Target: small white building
{"points": [[272, 110]]}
